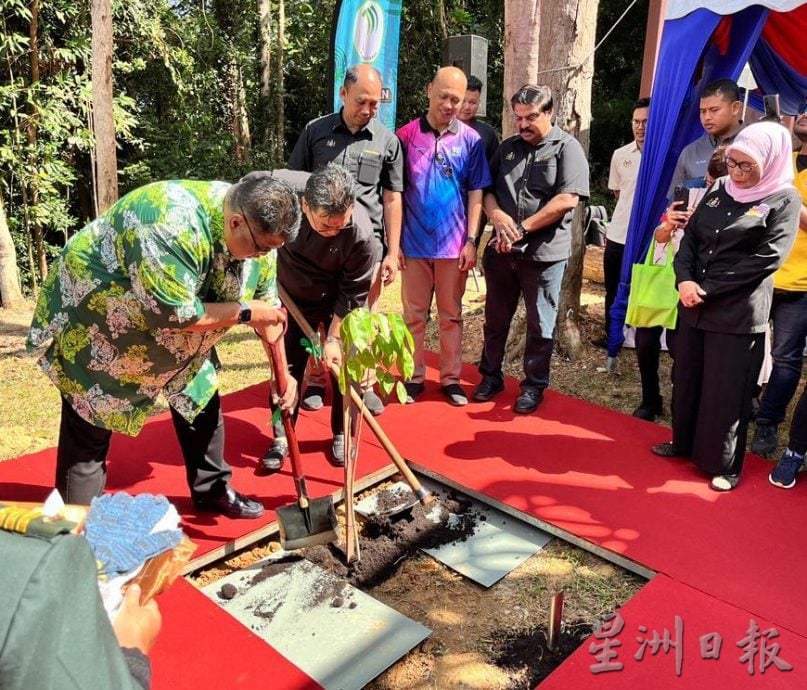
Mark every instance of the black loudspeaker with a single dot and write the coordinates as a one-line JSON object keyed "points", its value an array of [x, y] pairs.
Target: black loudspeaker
{"points": [[470, 54]]}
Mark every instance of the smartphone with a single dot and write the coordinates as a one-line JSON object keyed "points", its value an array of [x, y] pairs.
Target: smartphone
{"points": [[681, 194], [771, 105]]}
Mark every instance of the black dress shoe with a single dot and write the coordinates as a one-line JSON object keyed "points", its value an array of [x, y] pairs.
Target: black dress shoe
{"points": [[667, 450], [230, 503], [274, 458], [488, 387], [528, 401], [649, 411]]}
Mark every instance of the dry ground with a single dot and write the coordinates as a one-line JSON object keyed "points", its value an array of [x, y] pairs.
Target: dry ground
{"points": [[469, 623]]}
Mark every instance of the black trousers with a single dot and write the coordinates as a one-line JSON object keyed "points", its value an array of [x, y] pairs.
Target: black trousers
{"points": [[713, 382], [81, 456], [297, 356], [611, 268], [648, 353]]}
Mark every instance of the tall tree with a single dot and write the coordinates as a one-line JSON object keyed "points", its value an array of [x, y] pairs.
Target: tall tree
{"points": [[103, 119], [265, 51], [10, 292], [280, 106], [566, 57], [522, 29]]}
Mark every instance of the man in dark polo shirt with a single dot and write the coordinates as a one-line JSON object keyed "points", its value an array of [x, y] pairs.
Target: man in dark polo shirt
{"points": [[327, 272], [467, 114], [371, 152], [539, 176]]}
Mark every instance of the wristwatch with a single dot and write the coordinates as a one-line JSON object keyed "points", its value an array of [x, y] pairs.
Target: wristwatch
{"points": [[522, 229], [245, 315], [472, 240]]}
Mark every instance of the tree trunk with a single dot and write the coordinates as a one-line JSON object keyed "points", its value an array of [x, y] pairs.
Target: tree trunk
{"points": [[10, 292], [569, 41], [522, 26], [265, 41], [280, 114], [31, 198], [239, 118], [106, 162], [441, 8]]}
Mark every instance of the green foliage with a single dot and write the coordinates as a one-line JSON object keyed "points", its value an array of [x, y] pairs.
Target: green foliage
{"points": [[376, 343], [617, 77]]}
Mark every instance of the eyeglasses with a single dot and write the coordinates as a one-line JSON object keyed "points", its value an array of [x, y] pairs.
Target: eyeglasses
{"points": [[639, 123], [744, 166], [441, 160], [258, 248]]}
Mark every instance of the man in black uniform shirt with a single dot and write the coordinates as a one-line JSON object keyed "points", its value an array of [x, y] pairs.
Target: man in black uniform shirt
{"points": [[353, 138], [327, 272]]}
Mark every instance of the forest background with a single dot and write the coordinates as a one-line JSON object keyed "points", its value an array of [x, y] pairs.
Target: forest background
{"points": [[211, 89]]}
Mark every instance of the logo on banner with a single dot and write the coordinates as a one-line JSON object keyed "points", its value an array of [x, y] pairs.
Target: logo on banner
{"points": [[368, 31], [386, 95]]}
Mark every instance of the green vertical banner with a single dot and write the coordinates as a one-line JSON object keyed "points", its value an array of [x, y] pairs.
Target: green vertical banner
{"points": [[368, 31]]}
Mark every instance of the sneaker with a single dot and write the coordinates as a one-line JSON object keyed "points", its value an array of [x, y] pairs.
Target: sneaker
{"points": [[273, 459], [338, 450], [456, 396], [724, 482], [784, 474], [373, 403], [413, 390], [488, 388], [649, 411], [765, 439], [313, 398], [528, 401]]}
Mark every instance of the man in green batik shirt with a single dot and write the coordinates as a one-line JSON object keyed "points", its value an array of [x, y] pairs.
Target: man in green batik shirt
{"points": [[134, 307]]}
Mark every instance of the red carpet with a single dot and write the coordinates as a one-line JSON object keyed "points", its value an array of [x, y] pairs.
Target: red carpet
{"points": [[587, 470], [655, 608]]}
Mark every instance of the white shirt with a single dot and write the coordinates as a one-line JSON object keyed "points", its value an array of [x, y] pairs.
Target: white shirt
{"points": [[622, 178]]}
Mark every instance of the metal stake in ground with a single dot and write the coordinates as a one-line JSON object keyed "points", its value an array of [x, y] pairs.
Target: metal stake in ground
{"points": [[555, 618]]}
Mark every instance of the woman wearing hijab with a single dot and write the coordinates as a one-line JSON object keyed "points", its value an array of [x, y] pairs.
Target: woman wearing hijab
{"points": [[738, 236]]}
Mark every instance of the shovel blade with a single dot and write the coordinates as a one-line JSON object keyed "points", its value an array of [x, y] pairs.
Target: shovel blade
{"points": [[294, 524]]}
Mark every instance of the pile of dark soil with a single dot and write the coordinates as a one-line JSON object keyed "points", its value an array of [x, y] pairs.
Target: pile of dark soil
{"points": [[386, 541], [525, 654]]}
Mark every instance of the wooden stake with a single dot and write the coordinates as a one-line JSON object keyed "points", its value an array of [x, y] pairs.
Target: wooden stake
{"points": [[555, 618]]}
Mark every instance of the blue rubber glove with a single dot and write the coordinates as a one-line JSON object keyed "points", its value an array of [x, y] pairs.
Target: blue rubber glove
{"points": [[118, 527]]}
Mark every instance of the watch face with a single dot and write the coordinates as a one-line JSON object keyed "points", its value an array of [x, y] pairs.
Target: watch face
{"points": [[245, 315]]}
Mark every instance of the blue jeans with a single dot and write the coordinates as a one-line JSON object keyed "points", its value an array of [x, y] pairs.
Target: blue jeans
{"points": [[789, 314], [508, 277]]}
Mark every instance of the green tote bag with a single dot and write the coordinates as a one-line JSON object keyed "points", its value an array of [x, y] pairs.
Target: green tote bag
{"points": [[653, 299]]}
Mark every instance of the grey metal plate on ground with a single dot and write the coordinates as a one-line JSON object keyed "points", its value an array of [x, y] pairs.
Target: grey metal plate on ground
{"points": [[498, 545], [338, 635]]}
